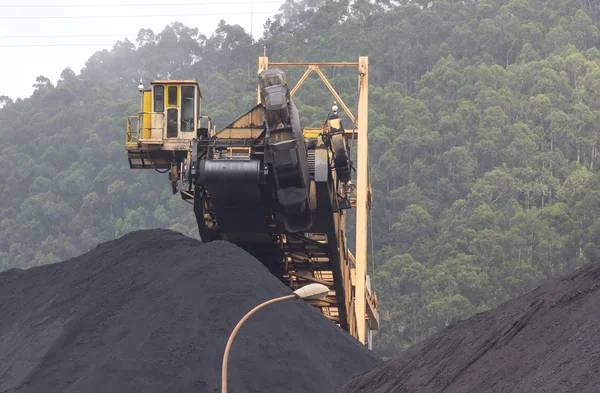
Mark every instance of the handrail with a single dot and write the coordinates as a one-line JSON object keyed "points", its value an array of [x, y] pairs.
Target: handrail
{"points": [[133, 133], [130, 136]]}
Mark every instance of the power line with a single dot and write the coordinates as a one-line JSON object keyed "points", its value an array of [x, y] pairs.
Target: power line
{"points": [[137, 5], [130, 16], [50, 45], [68, 36]]}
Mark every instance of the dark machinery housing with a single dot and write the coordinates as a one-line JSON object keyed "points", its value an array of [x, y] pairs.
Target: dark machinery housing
{"points": [[250, 189]]}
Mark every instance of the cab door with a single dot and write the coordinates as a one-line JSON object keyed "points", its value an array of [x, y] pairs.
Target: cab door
{"points": [[188, 119], [172, 111], [158, 113]]}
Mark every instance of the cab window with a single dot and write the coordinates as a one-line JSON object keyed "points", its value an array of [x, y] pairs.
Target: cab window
{"points": [[187, 108], [172, 96], [159, 98]]}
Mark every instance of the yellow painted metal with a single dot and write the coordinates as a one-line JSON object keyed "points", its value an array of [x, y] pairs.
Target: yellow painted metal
{"points": [[335, 123], [263, 64], [301, 81], [372, 312], [249, 125], [323, 63], [313, 67], [362, 187], [147, 118], [174, 81], [144, 142], [311, 132], [239, 152]]}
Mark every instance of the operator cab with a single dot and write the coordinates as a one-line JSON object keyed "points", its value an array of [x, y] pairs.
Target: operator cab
{"points": [[169, 121], [175, 110]]}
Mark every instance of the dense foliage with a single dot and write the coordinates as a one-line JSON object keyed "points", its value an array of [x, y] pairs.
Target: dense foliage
{"points": [[484, 127]]}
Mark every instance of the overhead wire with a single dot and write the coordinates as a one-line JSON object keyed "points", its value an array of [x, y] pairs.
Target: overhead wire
{"points": [[133, 16], [140, 4], [67, 36], [50, 45], [129, 16]]}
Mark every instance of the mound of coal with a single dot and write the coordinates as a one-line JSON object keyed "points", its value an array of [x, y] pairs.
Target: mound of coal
{"points": [[545, 341], [152, 311]]}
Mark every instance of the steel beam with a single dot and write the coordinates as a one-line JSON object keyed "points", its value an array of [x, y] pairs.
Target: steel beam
{"points": [[335, 94], [320, 64], [263, 64], [362, 187], [301, 81]]}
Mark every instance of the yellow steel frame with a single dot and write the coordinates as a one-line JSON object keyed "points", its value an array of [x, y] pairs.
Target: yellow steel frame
{"points": [[167, 95], [363, 197]]}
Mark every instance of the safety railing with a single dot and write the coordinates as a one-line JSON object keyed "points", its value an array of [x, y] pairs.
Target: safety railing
{"points": [[132, 133], [135, 133]]}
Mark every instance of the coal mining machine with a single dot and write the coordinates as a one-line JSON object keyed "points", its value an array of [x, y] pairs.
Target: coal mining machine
{"points": [[279, 191]]}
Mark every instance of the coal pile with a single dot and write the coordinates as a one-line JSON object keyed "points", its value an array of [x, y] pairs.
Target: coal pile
{"points": [[152, 311], [545, 341]]}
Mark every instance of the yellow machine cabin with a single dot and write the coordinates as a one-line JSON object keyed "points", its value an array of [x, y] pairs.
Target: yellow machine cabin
{"points": [[161, 136], [167, 126]]}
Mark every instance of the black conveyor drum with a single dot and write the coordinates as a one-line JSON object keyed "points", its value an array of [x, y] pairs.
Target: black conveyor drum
{"points": [[229, 172]]}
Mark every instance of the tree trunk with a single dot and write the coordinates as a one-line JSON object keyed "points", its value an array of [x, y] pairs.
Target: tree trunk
{"points": [[543, 201]]}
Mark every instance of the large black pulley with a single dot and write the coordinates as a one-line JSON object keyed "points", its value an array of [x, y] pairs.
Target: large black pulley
{"points": [[230, 172]]}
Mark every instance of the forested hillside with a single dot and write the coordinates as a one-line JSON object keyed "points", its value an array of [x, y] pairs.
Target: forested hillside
{"points": [[484, 127]]}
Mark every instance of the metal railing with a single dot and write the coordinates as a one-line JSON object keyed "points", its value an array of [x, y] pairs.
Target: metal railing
{"points": [[134, 134], [131, 135]]}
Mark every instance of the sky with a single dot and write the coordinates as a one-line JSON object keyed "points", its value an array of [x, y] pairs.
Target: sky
{"points": [[43, 37]]}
